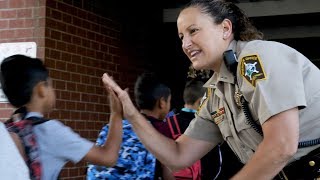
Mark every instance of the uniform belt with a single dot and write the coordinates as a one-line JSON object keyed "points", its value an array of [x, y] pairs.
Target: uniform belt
{"points": [[306, 168]]}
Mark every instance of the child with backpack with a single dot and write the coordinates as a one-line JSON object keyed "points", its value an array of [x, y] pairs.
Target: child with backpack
{"points": [[135, 161], [47, 145]]}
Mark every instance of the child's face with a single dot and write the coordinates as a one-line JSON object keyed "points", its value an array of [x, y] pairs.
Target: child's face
{"points": [[51, 96], [166, 108]]}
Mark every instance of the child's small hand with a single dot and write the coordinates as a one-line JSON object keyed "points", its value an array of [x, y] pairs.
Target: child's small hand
{"points": [[129, 110], [115, 104]]}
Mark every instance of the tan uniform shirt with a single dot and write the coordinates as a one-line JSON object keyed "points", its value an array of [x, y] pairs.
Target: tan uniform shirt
{"points": [[273, 78]]}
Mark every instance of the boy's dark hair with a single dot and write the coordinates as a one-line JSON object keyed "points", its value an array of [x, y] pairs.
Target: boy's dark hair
{"points": [[148, 89], [193, 91], [19, 75]]}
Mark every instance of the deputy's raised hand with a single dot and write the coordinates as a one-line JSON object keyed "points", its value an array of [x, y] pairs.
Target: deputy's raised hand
{"points": [[129, 110]]}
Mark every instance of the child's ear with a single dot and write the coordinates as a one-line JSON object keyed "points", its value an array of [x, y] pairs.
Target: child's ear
{"points": [[197, 103], [162, 103], [41, 89]]}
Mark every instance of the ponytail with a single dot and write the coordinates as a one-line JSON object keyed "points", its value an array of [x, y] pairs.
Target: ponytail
{"points": [[219, 10]]}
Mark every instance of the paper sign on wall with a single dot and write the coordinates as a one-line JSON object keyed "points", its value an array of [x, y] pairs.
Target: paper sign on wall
{"points": [[9, 49]]}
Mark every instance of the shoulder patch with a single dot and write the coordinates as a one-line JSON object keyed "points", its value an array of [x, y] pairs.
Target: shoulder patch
{"points": [[251, 69], [204, 98]]}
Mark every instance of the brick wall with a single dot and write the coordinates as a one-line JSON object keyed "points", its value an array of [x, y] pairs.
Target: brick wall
{"points": [[77, 45], [80, 46]]}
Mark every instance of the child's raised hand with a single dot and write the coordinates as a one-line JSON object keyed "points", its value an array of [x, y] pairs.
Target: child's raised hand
{"points": [[129, 109], [115, 104]]}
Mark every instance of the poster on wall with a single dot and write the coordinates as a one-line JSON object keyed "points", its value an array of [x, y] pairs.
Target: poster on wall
{"points": [[9, 49]]}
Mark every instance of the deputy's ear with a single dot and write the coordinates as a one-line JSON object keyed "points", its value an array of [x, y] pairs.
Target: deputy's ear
{"points": [[227, 28]]}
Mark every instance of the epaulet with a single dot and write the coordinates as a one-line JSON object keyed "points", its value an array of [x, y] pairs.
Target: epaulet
{"points": [[205, 98]]}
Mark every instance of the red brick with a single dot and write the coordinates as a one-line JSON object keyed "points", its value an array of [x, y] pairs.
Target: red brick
{"points": [[41, 53], [50, 23], [81, 106], [51, 4], [76, 21], [61, 26], [75, 96], [28, 23], [81, 51], [65, 56], [64, 114], [71, 48], [41, 12], [41, 22], [65, 76], [39, 32], [55, 74], [24, 13], [85, 79], [76, 40], [4, 24], [84, 115], [55, 14], [51, 63], [55, 35], [81, 69], [71, 68], [74, 115], [50, 43], [4, 4], [66, 37], [114, 50], [7, 34], [6, 113], [60, 85], [31, 3], [6, 14], [70, 105], [71, 86], [61, 46], [65, 95], [60, 104], [16, 23], [55, 54], [81, 88], [76, 59], [74, 172]]}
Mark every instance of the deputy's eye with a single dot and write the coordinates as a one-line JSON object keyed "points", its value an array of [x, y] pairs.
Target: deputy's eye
{"points": [[193, 30]]}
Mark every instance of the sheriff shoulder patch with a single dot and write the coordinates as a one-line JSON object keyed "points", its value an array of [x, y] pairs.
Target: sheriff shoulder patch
{"points": [[251, 69]]}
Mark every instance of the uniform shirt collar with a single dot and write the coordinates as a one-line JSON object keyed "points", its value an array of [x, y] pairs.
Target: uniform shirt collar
{"points": [[224, 74]]}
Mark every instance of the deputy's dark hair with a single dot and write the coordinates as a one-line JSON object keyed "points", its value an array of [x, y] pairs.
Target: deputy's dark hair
{"points": [[220, 9], [19, 75], [148, 89], [193, 91]]}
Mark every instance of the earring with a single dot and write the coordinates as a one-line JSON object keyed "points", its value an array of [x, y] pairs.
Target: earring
{"points": [[224, 36]]}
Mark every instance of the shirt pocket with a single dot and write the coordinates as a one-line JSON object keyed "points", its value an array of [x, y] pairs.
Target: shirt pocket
{"points": [[225, 129], [242, 122]]}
